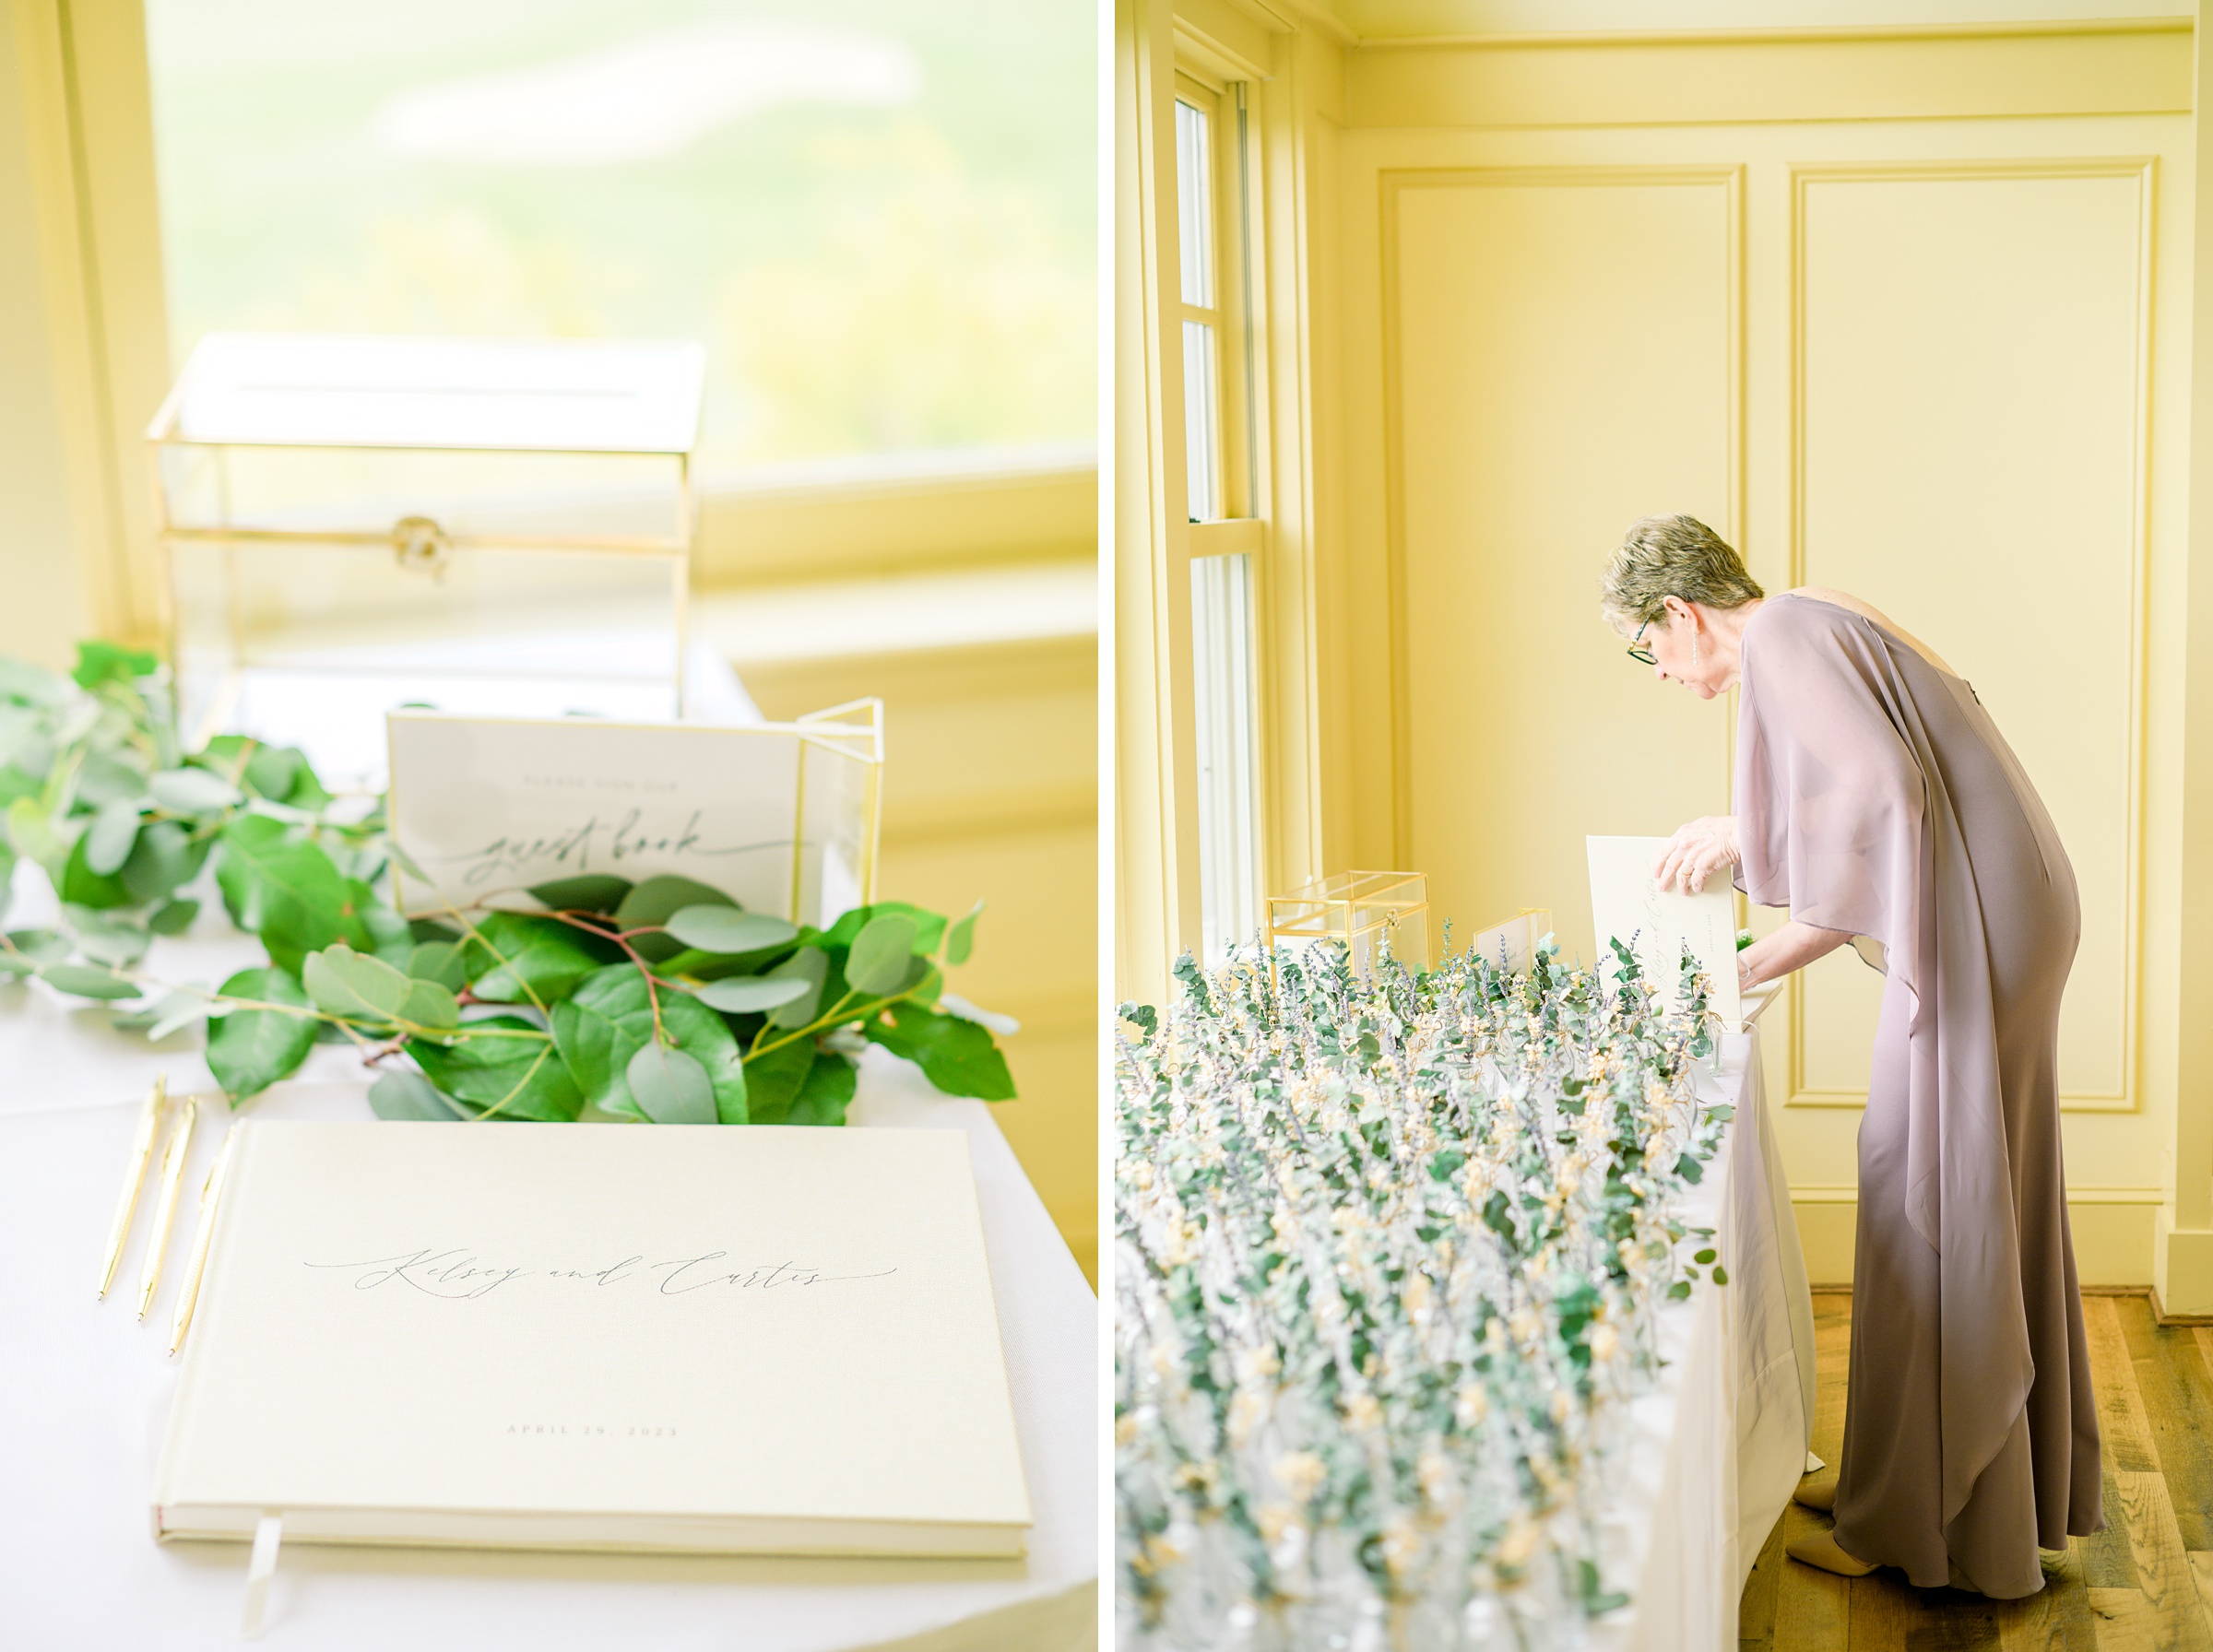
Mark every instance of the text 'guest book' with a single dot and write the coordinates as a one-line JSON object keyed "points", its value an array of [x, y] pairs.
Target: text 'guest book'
{"points": [[758, 1340]]}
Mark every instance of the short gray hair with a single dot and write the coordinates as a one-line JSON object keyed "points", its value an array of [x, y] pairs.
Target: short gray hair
{"points": [[1671, 556]]}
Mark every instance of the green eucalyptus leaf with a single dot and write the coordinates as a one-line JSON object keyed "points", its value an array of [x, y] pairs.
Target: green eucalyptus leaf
{"points": [[655, 901], [929, 926], [109, 938], [877, 963], [174, 917], [828, 1092], [956, 1056], [248, 1050], [81, 885], [31, 832], [109, 840], [192, 792], [406, 1097], [727, 930], [609, 1019], [772, 1080], [174, 1014], [356, 985], [274, 771], [670, 1087], [280, 773], [439, 960], [811, 965], [279, 884], [98, 662], [431, 1007], [593, 891], [31, 684], [163, 859], [961, 938], [383, 926], [106, 777], [87, 981], [753, 994], [595, 1047], [515, 957], [40, 946], [502, 1076]]}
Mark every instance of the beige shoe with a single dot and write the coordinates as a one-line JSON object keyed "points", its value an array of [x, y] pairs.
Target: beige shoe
{"points": [[1820, 1549], [1816, 1494]]}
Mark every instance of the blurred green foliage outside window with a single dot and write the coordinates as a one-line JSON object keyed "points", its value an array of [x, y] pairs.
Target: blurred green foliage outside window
{"points": [[879, 215]]}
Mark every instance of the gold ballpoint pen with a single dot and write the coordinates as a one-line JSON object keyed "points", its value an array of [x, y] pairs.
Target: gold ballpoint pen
{"points": [[142, 1149], [211, 1191], [165, 1209]]}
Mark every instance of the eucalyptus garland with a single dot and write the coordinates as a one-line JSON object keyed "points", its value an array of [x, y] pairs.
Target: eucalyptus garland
{"points": [[660, 1000], [1390, 1251]]}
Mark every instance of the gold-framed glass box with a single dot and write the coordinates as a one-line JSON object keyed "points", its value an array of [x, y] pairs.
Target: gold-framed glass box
{"points": [[1365, 913], [488, 527]]}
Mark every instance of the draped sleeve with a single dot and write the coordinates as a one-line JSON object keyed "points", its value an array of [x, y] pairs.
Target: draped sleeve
{"points": [[1831, 802]]}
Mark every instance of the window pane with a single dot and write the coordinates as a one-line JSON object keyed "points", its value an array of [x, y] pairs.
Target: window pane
{"points": [[879, 217], [1222, 681], [1202, 443], [1194, 205]]}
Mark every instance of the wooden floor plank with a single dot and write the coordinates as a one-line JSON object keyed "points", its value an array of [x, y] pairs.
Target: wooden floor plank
{"points": [[1881, 1611], [1755, 1609], [2123, 1621], [2139, 1587], [2056, 1619], [2124, 1442], [2201, 1572], [2124, 1435], [1889, 1614], [2163, 1573], [2177, 1394], [1811, 1606]]}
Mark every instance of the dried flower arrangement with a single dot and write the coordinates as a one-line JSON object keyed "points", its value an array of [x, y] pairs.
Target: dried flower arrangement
{"points": [[1389, 1254]]}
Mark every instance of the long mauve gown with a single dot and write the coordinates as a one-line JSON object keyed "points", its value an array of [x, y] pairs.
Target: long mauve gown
{"points": [[1876, 796]]}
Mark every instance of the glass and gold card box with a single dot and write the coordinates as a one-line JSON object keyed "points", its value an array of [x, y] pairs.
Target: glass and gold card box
{"points": [[485, 526], [1363, 912]]}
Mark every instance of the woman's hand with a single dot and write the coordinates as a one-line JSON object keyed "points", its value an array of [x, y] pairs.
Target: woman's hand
{"points": [[1696, 853], [1792, 946]]}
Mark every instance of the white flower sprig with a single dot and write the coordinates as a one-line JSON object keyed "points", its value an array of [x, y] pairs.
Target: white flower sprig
{"points": [[1388, 1252]]}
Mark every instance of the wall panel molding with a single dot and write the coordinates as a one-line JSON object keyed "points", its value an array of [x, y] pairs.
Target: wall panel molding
{"points": [[1598, 82], [1805, 178], [1394, 184]]}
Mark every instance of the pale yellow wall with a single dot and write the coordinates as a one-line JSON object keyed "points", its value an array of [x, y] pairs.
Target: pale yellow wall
{"points": [[83, 351], [991, 793], [1939, 357]]}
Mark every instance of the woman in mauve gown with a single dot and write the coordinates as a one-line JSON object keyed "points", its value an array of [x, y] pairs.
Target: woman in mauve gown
{"points": [[1877, 800]]}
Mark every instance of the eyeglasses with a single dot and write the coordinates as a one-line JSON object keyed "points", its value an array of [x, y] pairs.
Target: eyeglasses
{"points": [[1643, 656]]}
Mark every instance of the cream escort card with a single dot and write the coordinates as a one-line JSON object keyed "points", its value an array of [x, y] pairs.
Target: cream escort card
{"points": [[1657, 924], [780, 817], [767, 1340]]}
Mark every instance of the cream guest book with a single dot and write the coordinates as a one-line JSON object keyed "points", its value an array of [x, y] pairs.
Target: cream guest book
{"points": [[760, 1341]]}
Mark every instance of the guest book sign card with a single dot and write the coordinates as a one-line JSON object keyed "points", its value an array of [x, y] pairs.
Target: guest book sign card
{"points": [[1657, 924], [753, 1341], [775, 814]]}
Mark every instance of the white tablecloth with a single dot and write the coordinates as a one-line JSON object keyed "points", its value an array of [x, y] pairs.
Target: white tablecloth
{"points": [[1719, 1444], [86, 1389]]}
